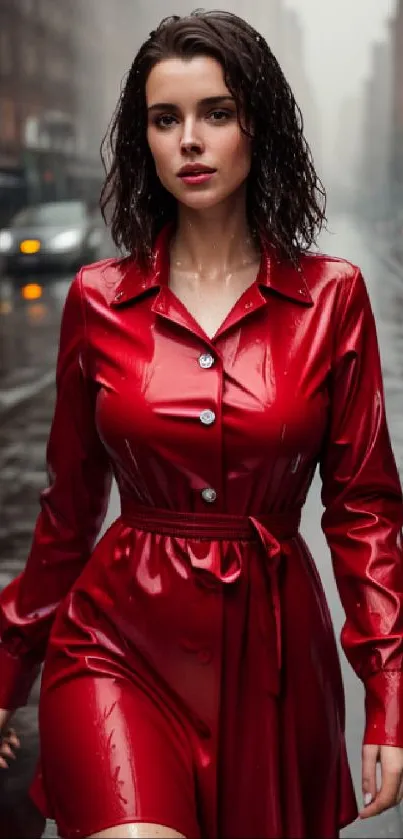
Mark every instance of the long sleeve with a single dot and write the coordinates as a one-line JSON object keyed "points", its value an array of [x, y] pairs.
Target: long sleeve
{"points": [[72, 509], [363, 516]]}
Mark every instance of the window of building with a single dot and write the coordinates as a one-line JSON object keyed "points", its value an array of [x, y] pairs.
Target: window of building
{"points": [[61, 20], [8, 120], [43, 9], [55, 14], [57, 68], [27, 6], [6, 53], [30, 129], [29, 58]]}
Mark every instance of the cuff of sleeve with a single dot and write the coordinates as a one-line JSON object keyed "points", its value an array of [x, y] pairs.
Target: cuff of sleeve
{"points": [[17, 677], [384, 709]]}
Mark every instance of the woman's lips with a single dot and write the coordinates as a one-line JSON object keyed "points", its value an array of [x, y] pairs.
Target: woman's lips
{"points": [[196, 177]]}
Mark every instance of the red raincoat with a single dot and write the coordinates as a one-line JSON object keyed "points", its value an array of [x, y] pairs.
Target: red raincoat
{"points": [[191, 674]]}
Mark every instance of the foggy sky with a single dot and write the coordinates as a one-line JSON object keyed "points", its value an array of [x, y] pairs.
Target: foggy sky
{"points": [[337, 36]]}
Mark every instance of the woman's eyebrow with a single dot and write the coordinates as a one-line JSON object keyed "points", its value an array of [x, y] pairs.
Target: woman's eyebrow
{"points": [[209, 100]]}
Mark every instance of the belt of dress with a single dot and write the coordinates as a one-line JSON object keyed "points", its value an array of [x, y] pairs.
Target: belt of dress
{"points": [[270, 530]]}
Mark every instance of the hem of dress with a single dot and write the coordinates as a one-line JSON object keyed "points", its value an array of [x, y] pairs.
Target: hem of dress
{"points": [[42, 804], [99, 827]]}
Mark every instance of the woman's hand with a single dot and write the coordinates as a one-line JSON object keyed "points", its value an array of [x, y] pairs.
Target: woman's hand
{"points": [[390, 792], [9, 742]]}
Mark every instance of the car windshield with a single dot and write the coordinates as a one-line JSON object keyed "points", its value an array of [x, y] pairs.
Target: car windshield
{"points": [[53, 214]]}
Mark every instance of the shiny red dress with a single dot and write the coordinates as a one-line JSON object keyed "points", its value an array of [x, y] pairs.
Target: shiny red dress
{"points": [[191, 675]]}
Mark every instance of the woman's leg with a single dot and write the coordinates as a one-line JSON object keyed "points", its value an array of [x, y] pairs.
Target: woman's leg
{"points": [[142, 830], [112, 756]]}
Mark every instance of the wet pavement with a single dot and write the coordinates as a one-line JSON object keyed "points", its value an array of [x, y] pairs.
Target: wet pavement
{"points": [[28, 344]]}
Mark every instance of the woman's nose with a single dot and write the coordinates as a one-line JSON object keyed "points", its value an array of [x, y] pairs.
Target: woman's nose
{"points": [[191, 140]]}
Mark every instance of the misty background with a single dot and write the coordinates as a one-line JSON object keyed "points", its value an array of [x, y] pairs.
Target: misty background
{"points": [[62, 65]]}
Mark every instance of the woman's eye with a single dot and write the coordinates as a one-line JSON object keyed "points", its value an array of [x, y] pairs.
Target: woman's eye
{"points": [[220, 116], [165, 121]]}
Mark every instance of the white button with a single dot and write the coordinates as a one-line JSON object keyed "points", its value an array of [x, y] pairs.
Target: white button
{"points": [[209, 495], [207, 417], [206, 361]]}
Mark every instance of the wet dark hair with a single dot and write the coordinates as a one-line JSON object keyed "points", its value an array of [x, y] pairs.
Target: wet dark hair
{"points": [[286, 200]]}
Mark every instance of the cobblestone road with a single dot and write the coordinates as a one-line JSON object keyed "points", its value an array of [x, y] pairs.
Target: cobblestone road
{"points": [[22, 438]]}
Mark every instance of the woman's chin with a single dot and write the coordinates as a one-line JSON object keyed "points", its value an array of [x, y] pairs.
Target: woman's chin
{"points": [[202, 202]]}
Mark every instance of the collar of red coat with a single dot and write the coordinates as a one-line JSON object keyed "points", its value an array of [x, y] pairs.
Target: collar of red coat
{"points": [[274, 274]]}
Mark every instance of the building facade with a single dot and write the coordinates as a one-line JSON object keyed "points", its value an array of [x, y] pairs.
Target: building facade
{"points": [[41, 155], [292, 59], [374, 171], [62, 66], [396, 147]]}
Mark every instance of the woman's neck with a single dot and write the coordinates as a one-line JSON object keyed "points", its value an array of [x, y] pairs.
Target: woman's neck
{"points": [[214, 243]]}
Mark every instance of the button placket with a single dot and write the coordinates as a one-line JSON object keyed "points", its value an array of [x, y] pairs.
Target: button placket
{"points": [[208, 417]]}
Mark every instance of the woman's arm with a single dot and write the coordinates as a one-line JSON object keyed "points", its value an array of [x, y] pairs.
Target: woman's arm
{"points": [[72, 510], [363, 516]]}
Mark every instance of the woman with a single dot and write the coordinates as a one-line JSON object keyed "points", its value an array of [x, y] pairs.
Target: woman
{"points": [[191, 684]]}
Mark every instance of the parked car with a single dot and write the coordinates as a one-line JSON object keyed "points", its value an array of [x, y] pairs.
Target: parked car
{"points": [[57, 236]]}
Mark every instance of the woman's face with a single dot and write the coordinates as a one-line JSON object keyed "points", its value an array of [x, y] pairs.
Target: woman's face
{"points": [[201, 155]]}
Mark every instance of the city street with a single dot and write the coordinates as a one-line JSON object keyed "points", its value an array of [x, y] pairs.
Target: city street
{"points": [[28, 345]]}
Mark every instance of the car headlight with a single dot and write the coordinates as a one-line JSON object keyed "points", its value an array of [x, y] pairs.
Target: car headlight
{"points": [[6, 240], [66, 240]]}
